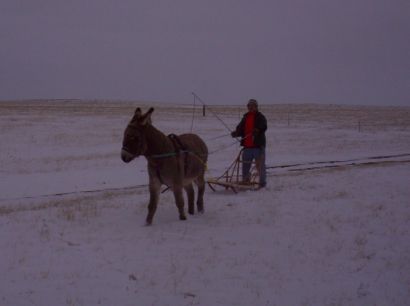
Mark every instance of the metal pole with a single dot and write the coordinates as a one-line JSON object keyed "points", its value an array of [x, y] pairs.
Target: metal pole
{"points": [[193, 114]]}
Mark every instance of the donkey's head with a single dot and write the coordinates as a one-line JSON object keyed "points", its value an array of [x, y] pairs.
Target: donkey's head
{"points": [[134, 142]]}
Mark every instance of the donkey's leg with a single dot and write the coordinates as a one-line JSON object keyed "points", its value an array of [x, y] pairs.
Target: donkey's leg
{"points": [[189, 189], [201, 190], [154, 191], [179, 201]]}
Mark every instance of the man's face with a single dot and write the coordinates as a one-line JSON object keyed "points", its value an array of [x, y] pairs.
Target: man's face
{"points": [[252, 107]]}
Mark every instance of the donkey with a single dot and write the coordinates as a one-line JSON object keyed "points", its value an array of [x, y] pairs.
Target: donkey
{"points": [[174, 161]]}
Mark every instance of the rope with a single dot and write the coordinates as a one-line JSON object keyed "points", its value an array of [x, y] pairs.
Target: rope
{"points": [[213, 113], [223, 148], [217, 137], [227, 146]]}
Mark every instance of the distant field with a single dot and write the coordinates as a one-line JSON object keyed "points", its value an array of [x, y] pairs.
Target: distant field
{"points": [[336, 116], [331, 227]]}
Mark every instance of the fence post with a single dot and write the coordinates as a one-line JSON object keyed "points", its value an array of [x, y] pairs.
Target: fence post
{"points": [[359, 125], [288, 119], [203, 110]]}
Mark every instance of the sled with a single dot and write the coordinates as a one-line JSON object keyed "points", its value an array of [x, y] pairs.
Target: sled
{"points": [[232, 177]]}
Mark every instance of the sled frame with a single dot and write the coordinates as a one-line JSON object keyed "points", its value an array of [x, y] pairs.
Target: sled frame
{"points": [[232, 177]]}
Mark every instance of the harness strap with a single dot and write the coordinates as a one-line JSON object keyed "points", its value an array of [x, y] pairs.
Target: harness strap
{"points": [[179, 148]]}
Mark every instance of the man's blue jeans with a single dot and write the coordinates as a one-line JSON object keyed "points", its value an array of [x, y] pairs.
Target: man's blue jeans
{"points": [[257, 154]]}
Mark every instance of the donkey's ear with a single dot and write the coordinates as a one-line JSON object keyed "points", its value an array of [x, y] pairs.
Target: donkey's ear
{"points": [[137, 113], [147, 117]]}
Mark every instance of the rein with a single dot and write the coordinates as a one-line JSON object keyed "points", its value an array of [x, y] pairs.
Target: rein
{"points": [[172, 154], [165, 155]]}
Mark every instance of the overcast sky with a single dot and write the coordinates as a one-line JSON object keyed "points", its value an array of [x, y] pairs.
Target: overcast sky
{"points": [[277, 51]]}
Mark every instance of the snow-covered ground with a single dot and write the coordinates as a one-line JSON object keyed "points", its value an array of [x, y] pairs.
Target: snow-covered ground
{"points": [[332, 230]]}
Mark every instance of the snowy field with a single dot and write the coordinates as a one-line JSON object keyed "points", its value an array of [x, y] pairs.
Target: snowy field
{"points": [[331, 228]]}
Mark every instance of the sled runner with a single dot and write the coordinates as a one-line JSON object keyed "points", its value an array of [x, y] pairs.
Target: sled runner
{"points": [[232, 177]]}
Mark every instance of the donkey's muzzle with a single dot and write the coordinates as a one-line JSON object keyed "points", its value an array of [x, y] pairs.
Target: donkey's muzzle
{"points": [[126, 156]]}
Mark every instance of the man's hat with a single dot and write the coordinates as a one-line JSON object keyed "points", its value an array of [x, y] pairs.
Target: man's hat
{"points": [[252, 101]]}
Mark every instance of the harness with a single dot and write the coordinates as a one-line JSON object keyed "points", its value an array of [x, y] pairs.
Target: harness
{"points": [[179, 149]]}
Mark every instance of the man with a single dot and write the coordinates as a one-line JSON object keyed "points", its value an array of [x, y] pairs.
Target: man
{"points": [[252, 129]]}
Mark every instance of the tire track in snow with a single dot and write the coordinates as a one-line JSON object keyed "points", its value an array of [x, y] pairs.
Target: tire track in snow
{"points": [[366, 161]]}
